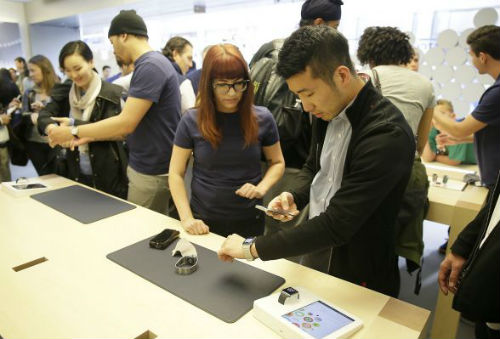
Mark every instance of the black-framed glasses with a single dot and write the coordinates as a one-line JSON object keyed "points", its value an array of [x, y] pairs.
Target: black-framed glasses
{"points": [[224, 87]]}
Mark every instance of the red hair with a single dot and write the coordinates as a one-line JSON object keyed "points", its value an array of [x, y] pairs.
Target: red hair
{"points": [[224, 62]]}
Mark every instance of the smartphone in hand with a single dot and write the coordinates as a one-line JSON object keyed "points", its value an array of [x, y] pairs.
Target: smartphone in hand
{"points": [[273, 211]]}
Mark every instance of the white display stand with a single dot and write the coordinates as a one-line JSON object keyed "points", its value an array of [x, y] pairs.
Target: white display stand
{"points": [[305, 317]]}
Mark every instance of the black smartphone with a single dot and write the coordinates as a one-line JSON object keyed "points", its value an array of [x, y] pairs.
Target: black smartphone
{"points": [[163, 239]]}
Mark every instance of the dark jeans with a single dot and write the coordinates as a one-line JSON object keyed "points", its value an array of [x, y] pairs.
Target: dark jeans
{"points": [[482, 331], [41, 156], [250, 227]]}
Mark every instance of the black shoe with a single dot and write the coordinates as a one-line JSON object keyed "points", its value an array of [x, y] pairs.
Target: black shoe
{"points": [[442, 248]]}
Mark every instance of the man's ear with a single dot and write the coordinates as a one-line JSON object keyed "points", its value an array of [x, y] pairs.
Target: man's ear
{"points": [[343, 75], [318, 21], [483, 57]]}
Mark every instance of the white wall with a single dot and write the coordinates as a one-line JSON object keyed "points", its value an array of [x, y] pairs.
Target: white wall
{"points": [[11, 11], [10, 44], [48, 41]]}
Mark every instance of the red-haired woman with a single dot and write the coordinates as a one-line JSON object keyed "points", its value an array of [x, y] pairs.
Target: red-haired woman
{"points": [[226, 135]]}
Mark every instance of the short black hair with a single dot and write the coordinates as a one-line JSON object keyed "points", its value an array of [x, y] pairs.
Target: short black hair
{"points": [[75, 47], [320, 47], [384, 46], [485, 39], [105, 67]]}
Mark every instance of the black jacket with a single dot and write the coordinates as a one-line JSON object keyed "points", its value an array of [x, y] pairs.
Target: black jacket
{"points": [[107, 158], [478, 294], [359, 222]]}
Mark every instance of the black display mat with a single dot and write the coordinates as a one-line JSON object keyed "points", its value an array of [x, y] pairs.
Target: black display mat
{"points": [[82, 204], [225, 290]]}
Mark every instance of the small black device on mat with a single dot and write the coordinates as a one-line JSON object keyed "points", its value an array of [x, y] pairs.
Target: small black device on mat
{"points": [[163, 239]]}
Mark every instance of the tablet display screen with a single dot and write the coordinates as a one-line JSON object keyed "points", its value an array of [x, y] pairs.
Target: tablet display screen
{"points": [[318, 319]]}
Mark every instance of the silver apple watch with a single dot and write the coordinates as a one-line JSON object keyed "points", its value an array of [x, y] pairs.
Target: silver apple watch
{"points": [[247, 245], [186, 265], [74, 131], [288, 294]]}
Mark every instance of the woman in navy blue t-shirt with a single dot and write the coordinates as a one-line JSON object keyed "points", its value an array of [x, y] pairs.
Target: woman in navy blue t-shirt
{"points": [[227, 136]]}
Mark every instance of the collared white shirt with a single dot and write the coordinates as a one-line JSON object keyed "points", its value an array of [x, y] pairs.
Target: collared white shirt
{"points": [[327, 181]]}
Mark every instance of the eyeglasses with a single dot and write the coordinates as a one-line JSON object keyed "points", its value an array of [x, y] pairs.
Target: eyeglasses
{"points": [[224, 88]]}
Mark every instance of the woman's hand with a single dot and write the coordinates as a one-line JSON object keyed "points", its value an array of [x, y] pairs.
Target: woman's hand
{"points": [[37, 106], [195, 226], [250, 191], [34, 118]]}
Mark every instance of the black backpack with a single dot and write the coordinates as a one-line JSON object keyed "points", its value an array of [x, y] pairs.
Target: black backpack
{"points": [[271, 91]]}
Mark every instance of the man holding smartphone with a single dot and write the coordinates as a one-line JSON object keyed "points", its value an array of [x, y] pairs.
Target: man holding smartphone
{"points": [[356, 172]]}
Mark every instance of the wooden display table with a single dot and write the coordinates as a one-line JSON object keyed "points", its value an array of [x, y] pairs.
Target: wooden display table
{"points": [[74, 291]]}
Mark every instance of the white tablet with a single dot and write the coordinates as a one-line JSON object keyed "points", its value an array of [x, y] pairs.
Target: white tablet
{"points": [[305, 317]]}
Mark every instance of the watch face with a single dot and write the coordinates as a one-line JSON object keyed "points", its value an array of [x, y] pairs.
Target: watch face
{"points": [[248, 241], [290, 290]]}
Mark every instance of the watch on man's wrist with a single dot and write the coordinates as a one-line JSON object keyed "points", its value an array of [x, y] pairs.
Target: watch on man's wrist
{"points": [[247, 248], [74, 131], [288, 294]]}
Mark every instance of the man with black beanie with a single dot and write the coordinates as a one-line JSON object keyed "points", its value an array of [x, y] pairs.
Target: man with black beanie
{"points": [[148, 119]]}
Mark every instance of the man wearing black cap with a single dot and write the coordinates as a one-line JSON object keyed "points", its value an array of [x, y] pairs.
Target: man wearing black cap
{"points": [[148, 119]]}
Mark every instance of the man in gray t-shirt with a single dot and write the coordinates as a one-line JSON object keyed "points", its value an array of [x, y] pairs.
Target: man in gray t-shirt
{"points": [[148, 119]]}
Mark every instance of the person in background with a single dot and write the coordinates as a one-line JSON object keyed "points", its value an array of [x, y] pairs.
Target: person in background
{"points": [[13, 74], [23, 80], [356, 173], [106, 72], [471, 271], [100, 164], [180, 52], [8, 91], [484, 121], [387, 51], [125, 77], [414, 63], [227, 136], [148, 119], [451, 153], [34, 100], [195, 75]]}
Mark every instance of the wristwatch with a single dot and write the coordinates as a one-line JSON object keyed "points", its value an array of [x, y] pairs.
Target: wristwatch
{"points": [[74, 131], [288, 293], [247, 245], [186, 265]]}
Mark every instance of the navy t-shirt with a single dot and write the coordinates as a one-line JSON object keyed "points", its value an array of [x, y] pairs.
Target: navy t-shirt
{"points": [[218, 173], [150, 145], [487, 139]]}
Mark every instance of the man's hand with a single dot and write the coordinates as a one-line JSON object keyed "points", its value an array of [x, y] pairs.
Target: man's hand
{"points": [[63, 121], [195, 226], [443, 139], [283, 202], [231, 248], [250, 191], [59, 135], [4, 119], [449, 271]]}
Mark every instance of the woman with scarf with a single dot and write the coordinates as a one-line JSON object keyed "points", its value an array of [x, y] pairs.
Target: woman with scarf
{"points": [[99, 164]]}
